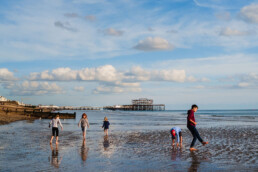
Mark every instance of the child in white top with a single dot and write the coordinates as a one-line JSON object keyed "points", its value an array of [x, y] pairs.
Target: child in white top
{"points": [[55, 131]]}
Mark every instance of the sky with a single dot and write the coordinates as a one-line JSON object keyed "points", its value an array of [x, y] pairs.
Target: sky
{"points": [[108, 52]]}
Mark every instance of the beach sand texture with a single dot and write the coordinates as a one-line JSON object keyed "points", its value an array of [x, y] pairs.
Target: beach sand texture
{"points": [[233, 147]]}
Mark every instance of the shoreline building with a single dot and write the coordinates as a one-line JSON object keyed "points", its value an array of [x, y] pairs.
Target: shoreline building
{"points": [[3, 99], [141, 104]]}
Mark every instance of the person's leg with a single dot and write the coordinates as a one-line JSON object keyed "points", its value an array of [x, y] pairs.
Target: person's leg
{"points": [[191, 128], [51, 139], [57, 134], [53, 134], [85, 132], [181, 139], [106, 132], [197, 135]]}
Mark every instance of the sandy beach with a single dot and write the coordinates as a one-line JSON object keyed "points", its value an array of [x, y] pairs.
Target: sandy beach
{"points": [[138, 141]]}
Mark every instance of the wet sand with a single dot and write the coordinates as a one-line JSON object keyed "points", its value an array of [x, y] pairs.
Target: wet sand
{"points": [[232, 147]]}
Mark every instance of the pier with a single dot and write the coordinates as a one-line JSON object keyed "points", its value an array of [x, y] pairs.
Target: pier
{"points": [[141, 104]]}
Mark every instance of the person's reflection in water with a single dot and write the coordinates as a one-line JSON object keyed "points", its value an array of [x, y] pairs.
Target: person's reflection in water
{"points": [[54, 160], [195, 162], [84, 151], [106, 143], [176, 153]]}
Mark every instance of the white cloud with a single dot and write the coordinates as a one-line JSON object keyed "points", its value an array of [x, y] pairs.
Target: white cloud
{"points": [[232, 32], [243, 84], [108, 73], [79, 88], [139, 74], [250, 77], [6, 75], [33, 88], [113, 32], [65, 25], [154, 44], [250, 13], [116, 89]]}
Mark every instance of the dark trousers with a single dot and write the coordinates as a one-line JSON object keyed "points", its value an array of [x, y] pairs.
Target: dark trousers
{"points": [[195, 134]]}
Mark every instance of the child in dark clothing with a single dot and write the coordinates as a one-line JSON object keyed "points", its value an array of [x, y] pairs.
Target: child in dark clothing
{"points": [[106, 125], [191, 126]]}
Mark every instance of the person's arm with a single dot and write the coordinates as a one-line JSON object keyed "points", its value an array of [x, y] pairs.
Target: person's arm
{"points": [[177, 134], [50, 123], [87, 121], [192, 122], [79, 122], [60, 124]]}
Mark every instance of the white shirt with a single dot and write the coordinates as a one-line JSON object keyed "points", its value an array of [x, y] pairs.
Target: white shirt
{"points": [[55, 123]]}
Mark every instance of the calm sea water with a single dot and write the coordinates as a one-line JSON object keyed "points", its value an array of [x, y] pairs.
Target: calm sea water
{"points": [[24, 145]]}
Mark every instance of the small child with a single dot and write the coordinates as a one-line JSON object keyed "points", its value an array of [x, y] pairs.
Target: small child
{"points": [[84, 125], [106, 126], [55, 131], [176, 131]]}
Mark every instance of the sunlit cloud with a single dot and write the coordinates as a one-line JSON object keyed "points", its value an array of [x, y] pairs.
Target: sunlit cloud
{"points": [[249, 13], [154, 44]]}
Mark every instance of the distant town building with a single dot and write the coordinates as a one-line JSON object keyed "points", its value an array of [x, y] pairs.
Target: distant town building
{"points": [[3, 99]]}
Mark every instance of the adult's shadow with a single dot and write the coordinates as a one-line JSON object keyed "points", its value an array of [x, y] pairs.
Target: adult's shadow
{"points": [[195, 162], [54, 159], [84, 151]]}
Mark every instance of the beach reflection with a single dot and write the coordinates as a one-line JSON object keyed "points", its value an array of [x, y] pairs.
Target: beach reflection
{"points": [[106, 143], [107, 147], [84, 151], [54, 160], [176, 153], [195, 162]]}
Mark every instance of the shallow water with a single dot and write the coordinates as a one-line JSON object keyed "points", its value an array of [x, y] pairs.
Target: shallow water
{"points": [[138, 141]]}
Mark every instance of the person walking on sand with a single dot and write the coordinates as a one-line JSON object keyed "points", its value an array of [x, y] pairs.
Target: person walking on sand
{"points": [[84, 125], [55, 131], [191, 126], [106, 126], [176, 131]]}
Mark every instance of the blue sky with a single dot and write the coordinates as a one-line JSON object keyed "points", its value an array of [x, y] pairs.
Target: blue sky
{"points": [[100, 52]]}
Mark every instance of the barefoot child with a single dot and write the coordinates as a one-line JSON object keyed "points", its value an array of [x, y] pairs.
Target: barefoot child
{"points": [[176, 131], [55, 131], [84, 125], [191, 126], [106, 125]]}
